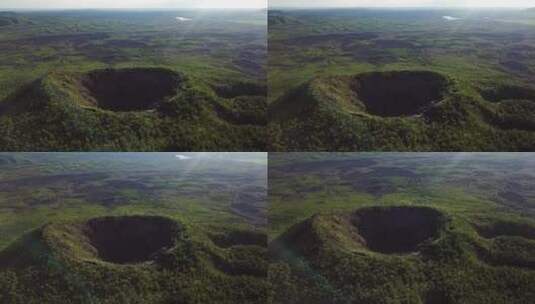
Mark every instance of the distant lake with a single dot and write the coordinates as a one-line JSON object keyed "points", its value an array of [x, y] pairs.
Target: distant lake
{"points": [[183, 19], [182, 157], [450, 18]]}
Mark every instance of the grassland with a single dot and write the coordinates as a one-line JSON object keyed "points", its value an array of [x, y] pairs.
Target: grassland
{"points": [[132, 228], [401, 228], [314, 54], [46, 54]]}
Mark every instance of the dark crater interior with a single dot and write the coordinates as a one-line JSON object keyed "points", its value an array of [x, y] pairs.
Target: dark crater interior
{"points": [[504, 93], [133, 89], [506, 229], [515, 107], [132, 239], [512, 244], [397, 229], [403, 93]]}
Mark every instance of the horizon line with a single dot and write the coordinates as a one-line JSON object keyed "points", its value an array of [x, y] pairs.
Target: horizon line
{"points": [[411, 6], [126, 8]]}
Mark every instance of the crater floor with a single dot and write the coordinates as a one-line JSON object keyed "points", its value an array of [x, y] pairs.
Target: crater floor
{"points": [[134, 89]]}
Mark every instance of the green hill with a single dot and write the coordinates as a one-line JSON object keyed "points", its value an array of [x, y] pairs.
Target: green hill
{"points": [[405, 111], [403, 255], [133, 259], [132, 109]]}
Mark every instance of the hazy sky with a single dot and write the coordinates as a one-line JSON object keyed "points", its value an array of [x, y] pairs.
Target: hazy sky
{"points": [[400, 3], [50, 4]]}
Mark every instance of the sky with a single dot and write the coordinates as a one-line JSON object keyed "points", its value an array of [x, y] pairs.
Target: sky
{"points": [[401, 3], [80, 4]]}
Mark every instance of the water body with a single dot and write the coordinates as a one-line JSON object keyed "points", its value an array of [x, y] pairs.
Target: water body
{"points": [[183, 19], [450, 18], [182, 157]]}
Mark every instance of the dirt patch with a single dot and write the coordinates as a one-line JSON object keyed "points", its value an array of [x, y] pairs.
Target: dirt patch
{"points": [[397, 229], [130, 89], [131, 239], [401, 93]]}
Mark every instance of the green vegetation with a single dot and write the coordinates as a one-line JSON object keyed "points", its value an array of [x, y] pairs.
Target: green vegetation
{"points": [[320, 100], [401, 228], [133, 228], [90, 81]]}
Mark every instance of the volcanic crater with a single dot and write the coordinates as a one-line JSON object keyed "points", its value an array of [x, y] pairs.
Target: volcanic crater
{"points": [[397, 230], [399, 93], [503, 228], [505, 93], [131, 239], [132, 89]]}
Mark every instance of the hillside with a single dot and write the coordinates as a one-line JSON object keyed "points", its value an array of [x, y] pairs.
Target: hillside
{"points": [[133, 80], [431, 228], [402, 255], [131, 259], [443, 79], [402, 110], [132, 109]]}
